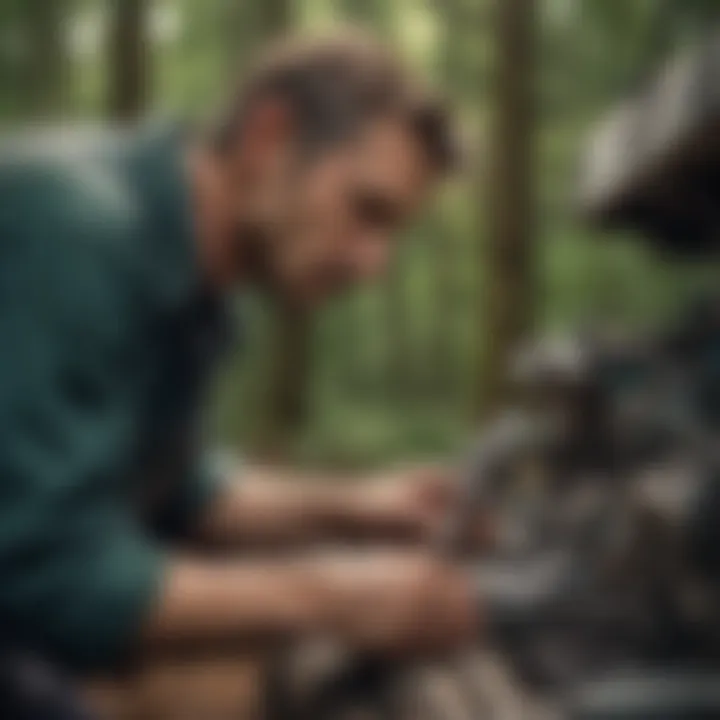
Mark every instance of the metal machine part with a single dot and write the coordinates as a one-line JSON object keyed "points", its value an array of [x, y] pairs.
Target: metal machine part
{"points": [[658, 695], [652, 165]]}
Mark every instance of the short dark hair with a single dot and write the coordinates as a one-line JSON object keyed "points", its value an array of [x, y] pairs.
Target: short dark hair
{"points": [[334, 84]]}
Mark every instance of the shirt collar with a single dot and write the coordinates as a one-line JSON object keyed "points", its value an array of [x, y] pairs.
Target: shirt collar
{"points": [[157, 162]]}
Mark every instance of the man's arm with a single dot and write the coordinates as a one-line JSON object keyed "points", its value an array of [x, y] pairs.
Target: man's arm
{"points": [[80, 582], [267, 507], [77, 575], [391, 603]]}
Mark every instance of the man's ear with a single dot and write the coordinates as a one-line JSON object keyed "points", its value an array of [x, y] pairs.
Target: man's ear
{"points": [[266, 132]]}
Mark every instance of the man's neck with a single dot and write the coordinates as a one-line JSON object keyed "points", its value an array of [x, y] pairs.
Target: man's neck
{"points": [[214, 218]]}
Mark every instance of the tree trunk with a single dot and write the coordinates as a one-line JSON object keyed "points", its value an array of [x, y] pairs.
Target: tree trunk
{"points": [[275, 17], [129, 50], [46, 73], [372, 13], [288, 380], [509, 287]]}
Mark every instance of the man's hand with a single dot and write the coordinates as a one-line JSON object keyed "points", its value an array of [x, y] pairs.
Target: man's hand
{"points": [[412, 504], [265, 508], [390, 603], [418, 504], [399, 603]]}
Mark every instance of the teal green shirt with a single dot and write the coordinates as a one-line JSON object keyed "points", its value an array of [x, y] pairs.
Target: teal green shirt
{"points": [[106, 336]]}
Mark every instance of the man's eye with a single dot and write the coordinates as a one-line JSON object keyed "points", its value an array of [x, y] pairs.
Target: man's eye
{"points": [[376, 211]]}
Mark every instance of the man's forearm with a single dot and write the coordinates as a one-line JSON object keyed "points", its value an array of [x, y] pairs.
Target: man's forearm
{"points": [[386, 602], [206, 605], [265, 509]]}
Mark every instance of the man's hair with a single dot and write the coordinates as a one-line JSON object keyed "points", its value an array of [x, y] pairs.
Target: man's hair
{"points": [[333, 86]]}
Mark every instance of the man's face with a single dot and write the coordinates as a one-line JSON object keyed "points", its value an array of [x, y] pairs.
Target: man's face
{"points": [[331, 222]]}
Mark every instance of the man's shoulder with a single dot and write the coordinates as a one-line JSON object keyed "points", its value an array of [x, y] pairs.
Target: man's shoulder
{"points": [[66, 186], [69, 232]]}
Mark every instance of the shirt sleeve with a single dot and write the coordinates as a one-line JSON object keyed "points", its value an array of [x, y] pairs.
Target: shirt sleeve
{"points": [[77, 575], [205, 478]]}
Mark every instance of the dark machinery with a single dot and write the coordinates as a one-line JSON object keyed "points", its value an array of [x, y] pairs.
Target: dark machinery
{"points": [[654, 164], [601, 592]]}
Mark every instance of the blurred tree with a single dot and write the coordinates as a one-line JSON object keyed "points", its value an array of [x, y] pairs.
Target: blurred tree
{"points": [[510, 287], [285, 400], [47, 71], [252, 23], [276, 16], [12, 58], [129, 59], [375, 14], [34, 58]]}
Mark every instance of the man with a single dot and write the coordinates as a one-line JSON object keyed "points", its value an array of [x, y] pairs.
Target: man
{"points": [[115, 255]]}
